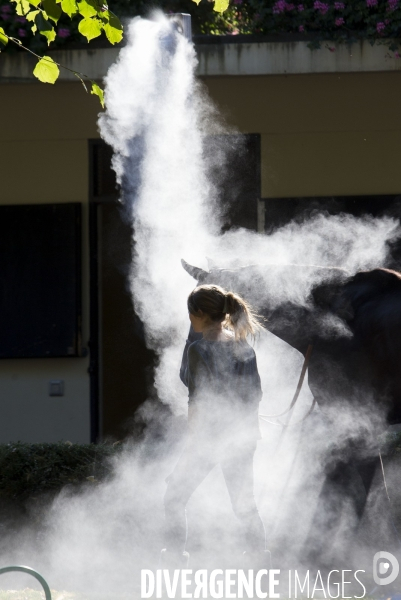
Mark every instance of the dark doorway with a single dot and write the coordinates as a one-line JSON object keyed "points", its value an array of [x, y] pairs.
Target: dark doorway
{"points": [[126, 363], [121, 365], [234, 165]]}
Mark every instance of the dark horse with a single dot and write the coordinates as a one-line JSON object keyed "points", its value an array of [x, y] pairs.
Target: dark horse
{"points": [[354, 325]]}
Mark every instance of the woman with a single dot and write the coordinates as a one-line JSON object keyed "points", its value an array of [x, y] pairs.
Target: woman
{"points": [[219, 368]]}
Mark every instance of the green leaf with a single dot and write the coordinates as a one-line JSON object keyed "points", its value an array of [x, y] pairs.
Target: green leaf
{"points": [[196, 1], [22, 7], [221, 5], [45, 27], [52, 9], [69, 7], [46, 70], [90, 28], [3, 37], [31, 17], [88, 8], [98, 92], [35, 2], [113, 29], [49, 34]]}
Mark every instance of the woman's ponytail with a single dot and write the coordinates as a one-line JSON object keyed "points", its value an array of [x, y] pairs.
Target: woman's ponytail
{"points": [[225, 307], [240, 317]]}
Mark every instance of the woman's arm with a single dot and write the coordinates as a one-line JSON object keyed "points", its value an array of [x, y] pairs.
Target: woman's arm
{"points": [[195, 381], [192, 337], [249, 383]]}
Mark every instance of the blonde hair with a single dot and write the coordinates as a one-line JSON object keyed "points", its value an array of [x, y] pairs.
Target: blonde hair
{"points": [[225, 307]]}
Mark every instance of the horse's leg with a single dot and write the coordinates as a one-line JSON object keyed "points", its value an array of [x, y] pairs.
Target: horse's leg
{"points": [[366, 470], [339, 508]]}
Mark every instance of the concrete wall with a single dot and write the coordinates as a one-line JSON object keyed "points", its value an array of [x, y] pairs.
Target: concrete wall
{"points": [[274, 58], [226, 56], [44, 158], [322, 134]]}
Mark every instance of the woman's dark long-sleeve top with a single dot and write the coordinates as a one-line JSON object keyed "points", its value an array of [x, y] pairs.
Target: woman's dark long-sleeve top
{"points": [[224, 387]]}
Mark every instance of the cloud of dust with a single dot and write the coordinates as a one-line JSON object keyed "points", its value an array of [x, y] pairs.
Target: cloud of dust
{"points": [[157, 121]]}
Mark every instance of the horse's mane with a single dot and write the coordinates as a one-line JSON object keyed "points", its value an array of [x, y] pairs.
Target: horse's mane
{"points": [[366, 285]]}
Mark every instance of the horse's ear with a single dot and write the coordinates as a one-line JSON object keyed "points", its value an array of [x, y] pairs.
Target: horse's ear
{"points": [[210, 263], [196, 272]]}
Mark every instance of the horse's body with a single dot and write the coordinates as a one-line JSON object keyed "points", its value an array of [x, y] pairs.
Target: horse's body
{"points": [[354, 325]]}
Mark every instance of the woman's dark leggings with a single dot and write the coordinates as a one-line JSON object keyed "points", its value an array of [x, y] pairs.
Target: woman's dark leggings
{"points": [[192, 468]]}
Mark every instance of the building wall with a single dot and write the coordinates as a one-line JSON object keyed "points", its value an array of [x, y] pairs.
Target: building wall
{"points": [[44, 159], [322, 135]]}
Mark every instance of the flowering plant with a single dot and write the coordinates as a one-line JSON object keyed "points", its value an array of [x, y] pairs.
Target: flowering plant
{"points": [[312, 20], [345, 21], [18, 26]]}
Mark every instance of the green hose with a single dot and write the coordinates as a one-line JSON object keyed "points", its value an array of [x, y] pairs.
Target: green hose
{"points": [[32, 572]]}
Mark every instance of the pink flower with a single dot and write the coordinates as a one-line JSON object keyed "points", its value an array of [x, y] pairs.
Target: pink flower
{"points": [[21, 33], [392, 5], [371, 2], [20, 19], [339, 5], [237, 1], [301, 28], [339, 21], [301, 8], [279, 7], [63, 32], [322, 7], [397, 55], [380, 26], [331, 48], [5, 12]]}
